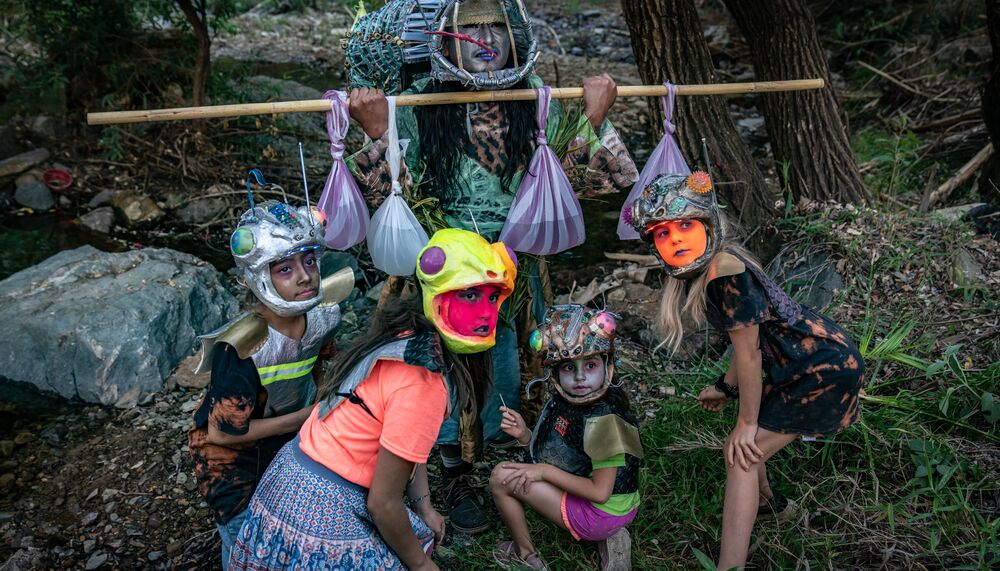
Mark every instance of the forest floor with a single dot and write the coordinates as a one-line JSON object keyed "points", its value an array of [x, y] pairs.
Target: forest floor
{"points": [[914, 485]]}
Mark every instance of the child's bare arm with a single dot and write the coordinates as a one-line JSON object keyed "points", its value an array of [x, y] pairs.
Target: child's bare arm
{"points": [[597, 488], [261, 428]]}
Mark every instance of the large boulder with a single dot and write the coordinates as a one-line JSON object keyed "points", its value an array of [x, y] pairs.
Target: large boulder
{"points": [[92, 325]]}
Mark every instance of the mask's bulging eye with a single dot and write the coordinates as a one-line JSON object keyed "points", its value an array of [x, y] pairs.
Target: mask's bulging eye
{"points": [[432, 261]]}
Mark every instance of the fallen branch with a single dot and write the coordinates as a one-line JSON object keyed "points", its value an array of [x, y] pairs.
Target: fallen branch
{"points": [[963, 174], [323, 105], [900, 83], [947, 121], [644, 259]]}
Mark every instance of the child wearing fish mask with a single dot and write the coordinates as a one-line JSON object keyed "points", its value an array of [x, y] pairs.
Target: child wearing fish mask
{"points": [[795, 372], [584, 455], [471, 158]]}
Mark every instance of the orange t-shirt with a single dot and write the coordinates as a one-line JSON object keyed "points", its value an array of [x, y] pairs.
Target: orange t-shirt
{"points": [[409, 404]]}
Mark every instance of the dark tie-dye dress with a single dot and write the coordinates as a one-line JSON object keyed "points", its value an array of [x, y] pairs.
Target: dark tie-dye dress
{"points": [[813, 370]]}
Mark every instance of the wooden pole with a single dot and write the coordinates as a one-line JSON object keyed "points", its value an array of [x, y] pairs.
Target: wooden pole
{"points": [[321, 105]]}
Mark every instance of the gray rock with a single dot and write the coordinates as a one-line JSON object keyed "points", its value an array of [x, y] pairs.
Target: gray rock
{"points": [[27, 177], [99, 220], [89, 519], [130, 399], [104, 323], [6, 516], [333, 261], [46, 127], [751, 123], [8, 142], [55, 434], [6, 448], [199, 211], [953, 213], [101, 198], [25, 559], [966, 272], [89, 545], [811, 280], [155, 555], [22, 162], [136, 208], [96, 560], [35, 195], [185, 377]]}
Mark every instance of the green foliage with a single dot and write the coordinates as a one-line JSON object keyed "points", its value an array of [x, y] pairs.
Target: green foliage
{"points": [[892, 164]]}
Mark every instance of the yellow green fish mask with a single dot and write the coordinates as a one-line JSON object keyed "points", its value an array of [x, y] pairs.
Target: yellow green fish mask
{"points": [[456, 271]]}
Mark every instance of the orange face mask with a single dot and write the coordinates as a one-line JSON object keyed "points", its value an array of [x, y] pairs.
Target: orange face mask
{"points": [[680, 242]]}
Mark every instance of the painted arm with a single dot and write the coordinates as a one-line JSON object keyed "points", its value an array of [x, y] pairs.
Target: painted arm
{"points": [[385, 503], [261, 428]]}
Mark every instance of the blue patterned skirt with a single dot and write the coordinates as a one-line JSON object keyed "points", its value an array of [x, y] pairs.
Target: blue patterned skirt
{"points": [[304, 516]]}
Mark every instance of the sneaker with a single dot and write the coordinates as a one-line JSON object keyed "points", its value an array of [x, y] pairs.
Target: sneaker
{"points": [[616, 551], [465, 511], [507, 557], [778, 507]]}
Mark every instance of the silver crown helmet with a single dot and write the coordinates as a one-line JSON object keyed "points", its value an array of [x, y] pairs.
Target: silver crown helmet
{"points": [[269, 232]]}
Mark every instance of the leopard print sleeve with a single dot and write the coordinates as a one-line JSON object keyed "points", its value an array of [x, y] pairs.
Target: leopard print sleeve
{"points": [[598, 162], [371, 170]]}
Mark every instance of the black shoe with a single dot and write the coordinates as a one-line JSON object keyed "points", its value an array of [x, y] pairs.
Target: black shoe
{"points": [[778, 507], [465, 512]]}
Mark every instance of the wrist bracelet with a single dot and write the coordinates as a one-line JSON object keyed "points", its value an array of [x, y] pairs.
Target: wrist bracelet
{"points": [[725, 388], [418, 499]]}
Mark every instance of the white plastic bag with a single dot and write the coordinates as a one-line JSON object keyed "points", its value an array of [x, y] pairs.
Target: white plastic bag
{"points": [[394, 236]]}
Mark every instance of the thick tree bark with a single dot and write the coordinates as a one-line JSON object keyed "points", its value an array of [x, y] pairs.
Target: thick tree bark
{"points": [[989, 179], [808, 129], [196, 15], [668, 44]]}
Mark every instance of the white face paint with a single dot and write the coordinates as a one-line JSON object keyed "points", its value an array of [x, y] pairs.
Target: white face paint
{"points": [[581, 377], [477, 59]]}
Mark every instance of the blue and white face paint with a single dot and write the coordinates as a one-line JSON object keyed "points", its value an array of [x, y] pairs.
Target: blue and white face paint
{"points": [[269, 232]]}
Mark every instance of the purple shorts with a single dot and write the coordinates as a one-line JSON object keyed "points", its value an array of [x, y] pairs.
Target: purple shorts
{"points": [[587, 522]]}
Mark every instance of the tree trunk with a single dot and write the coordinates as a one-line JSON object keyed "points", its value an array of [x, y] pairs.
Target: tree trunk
{"points": [[989, 179], [668, 44], [197, 17], [808, 129]]}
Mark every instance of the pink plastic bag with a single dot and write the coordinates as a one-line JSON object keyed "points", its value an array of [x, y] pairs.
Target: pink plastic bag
{"points": [[341, 202], [666, 159], [545, 217]]}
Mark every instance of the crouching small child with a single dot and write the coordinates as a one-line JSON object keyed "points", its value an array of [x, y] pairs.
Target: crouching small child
{"points": [[584, 453]]}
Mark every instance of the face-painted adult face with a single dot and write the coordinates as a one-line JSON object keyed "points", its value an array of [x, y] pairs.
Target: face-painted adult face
{"points": [[581, 377], [476, 58], [680, 242], [473, 311]]}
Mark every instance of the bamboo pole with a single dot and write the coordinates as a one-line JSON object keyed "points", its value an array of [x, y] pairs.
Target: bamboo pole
{"points": [[320, 105]]}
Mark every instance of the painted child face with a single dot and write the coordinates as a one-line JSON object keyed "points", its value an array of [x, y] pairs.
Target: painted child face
{"points": [[680, 242], [475, 58], [296, 278], [580, 377], [472, 312]]}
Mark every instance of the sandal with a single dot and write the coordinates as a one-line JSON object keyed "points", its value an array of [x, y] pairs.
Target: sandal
{"points": [[507, 557]]}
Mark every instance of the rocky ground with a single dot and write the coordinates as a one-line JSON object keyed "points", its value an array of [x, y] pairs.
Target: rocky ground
{"points": [[112, 487]]}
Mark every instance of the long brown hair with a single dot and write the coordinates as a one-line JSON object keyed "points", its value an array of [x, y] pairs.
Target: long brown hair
{"points": [[470, 375]]}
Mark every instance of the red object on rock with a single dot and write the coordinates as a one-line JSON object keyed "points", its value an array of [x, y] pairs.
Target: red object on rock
{"points": [[57, 180]]}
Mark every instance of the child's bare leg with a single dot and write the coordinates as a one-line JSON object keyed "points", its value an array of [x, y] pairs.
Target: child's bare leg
{"points": [[742, 500], [543, 497], [763, 484]]}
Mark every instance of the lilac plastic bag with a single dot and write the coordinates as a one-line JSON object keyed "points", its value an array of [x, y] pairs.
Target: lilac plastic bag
{"points": [[395, 237], [545, 217], [341, 202], [666, 159]]}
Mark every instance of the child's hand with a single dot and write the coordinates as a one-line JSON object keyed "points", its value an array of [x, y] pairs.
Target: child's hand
{"points": [[520, 476], [741, 446], [433, 519], [514, 425], [712, 398]]}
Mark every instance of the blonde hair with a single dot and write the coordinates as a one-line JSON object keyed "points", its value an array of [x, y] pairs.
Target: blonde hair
{"points": [[684, 304]]}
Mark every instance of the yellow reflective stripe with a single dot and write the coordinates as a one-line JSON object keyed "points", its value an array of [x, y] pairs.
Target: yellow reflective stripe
{"points": [[295, 375], [280, 366]]}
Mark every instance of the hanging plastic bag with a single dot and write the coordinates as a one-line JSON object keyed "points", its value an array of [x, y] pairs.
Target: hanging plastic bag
{"points": [[341, 202], [395, 237], [545, 217], [666, 159]]}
